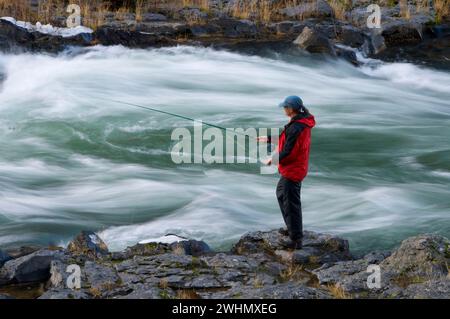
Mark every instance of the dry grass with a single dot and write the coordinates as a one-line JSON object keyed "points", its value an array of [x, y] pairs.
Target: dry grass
{"points": [[163, 283], [404, 9], [337, 292], [339, 7], [187, 294], [293, 272], [442, 8], [94, 12]]}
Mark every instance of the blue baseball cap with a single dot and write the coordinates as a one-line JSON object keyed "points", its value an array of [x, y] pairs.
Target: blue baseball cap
{"points": [[293, 102]]}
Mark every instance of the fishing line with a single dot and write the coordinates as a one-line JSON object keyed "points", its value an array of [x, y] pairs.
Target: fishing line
{"points": [[177, 115], [151, 109]]}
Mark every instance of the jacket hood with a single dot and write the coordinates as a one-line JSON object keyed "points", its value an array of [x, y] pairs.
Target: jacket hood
{"points": [[308, 121]]}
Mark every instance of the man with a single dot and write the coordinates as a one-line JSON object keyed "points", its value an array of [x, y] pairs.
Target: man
{"points": [[293, 158]]}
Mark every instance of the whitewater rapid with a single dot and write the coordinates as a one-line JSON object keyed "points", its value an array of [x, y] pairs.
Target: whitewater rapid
{"points": [[70, 160]]}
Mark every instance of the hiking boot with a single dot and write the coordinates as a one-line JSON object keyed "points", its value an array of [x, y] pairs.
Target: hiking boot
{"points": [[283, 231], [291, 244]]}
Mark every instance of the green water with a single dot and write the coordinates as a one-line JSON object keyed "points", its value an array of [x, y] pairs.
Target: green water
{"points": [[380, 160]]}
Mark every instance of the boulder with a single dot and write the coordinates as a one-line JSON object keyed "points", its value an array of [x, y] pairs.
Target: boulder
{"points": [[317, 248], [88, 244], [14, 38], [310, 9], [288, 27], [351, 36], [192, 247], [348, 55], [107, 35], [421, 257], [233, 28], [374, 43], [22, 251], [314, 42], [27, 269], [151, 17], [401, 33], [4, 257]]}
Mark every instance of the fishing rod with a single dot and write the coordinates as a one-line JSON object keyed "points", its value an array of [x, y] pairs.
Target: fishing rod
{"points": [[175, 115]]}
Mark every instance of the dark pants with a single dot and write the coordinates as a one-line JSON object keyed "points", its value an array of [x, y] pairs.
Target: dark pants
{"points": [[288, 194]]}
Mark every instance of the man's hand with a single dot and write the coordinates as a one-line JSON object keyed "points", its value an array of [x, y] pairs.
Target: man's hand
{"points": [[262, 139]]}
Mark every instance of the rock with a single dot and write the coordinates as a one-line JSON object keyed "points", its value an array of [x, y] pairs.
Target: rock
{"points": [[433, 289], [22, 251], [420, 257], [288, 27], [160, 29], [4, 257], [401, 33], [5, 297], [317, 248], [348, 55], [106, 35], [289, 290], [374, 43], [150, 17], [312, 9], [101, 277], [191, 15], [351, 36], [31, 268], [88, 244], [62, 293], [314, 42], [233, 28], [14, 38], [192, 247], [142, 291]]}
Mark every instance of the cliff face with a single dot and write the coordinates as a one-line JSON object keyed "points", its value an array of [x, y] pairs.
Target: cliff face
{"points": [[256, 267]]}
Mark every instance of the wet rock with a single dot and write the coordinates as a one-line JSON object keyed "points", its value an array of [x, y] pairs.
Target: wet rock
{"points": [[233, 28], [16, 39], [88, 244], [22, 251], [374, 43], [288, 27], [106, 35], [348, 55], [351, 36], [4, 257], [5, 297], [401, 33], [314, 42], [166, 29], [31, 268]]}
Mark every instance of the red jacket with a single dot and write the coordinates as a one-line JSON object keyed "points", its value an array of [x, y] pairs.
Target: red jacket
{"points": [[293, 148]]}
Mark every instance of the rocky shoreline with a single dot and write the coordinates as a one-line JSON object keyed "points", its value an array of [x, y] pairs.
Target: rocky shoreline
{"points": [[256, 267], [310, 27]]}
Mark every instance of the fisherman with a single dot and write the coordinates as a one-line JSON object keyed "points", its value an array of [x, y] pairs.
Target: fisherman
{"points": [[292, 159]]}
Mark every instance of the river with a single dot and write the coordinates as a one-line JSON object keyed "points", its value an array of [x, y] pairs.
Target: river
{"points": [[72, 160]]}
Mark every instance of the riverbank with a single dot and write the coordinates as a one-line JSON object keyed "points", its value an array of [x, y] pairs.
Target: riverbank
{"points": [[256, 267], [317, 27]]}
